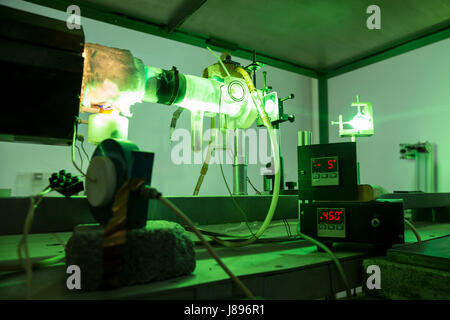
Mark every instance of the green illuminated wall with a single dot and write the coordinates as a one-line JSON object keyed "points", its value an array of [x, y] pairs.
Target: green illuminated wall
{"points": [[410, 95]]}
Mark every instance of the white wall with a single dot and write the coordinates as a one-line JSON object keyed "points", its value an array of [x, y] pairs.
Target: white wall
{"points": [[410, 95], [149, 127]]}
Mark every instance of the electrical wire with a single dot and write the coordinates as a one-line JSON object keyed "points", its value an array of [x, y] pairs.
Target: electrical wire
{"points": [[285, 227], [23, 243], [81, 158], [334, 258], [234, 200], [204, 170], [59, 240], [237, 237], [205, 166], [220, 61], [183, 217], [273, 142], [73, 152], [254, 188], [416, 233], [214, 233], [288, 228], [220, 163], [84, 150]]}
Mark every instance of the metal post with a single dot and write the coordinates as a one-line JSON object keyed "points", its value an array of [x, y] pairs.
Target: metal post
{"points": [[323, 109], [278, 135], [425, 169], [240, 164], [304, 139], [358, 175]]}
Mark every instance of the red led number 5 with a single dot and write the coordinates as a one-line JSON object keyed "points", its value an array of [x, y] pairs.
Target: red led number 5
{"points": [[331, 164]]}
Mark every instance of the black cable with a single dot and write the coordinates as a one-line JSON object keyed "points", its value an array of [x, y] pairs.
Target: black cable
{"points": [[288, 228], [228, 188], [72, 151], [251, 184], [84, 150], [234, 200], [152, 193], [81, 158]]}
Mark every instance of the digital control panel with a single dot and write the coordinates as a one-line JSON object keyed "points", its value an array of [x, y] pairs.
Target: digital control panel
{"points": [[325, 171], [331, 222]]}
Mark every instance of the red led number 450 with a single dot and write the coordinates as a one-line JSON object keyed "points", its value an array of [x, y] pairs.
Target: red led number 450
{"points": [[331, 215]]}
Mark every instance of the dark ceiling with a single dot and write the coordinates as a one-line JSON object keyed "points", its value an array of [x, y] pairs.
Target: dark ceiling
{"points": [[319, 35]]}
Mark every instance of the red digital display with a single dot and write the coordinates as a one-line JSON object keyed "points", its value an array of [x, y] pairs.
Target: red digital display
{"points": [[331, 216], [324, 165]]}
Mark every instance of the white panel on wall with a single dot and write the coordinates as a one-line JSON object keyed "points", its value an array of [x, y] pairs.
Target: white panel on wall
{"points": [[410, 95]]}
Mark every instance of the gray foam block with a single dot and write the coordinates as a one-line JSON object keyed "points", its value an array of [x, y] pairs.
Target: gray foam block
{"points": [[159, 251]]}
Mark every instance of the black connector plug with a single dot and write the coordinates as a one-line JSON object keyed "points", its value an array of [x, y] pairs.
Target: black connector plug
{"points": [[149, 192], [65, 183]]}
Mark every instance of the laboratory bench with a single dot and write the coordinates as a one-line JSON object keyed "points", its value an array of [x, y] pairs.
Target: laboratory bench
{"points": [[287, 269]]}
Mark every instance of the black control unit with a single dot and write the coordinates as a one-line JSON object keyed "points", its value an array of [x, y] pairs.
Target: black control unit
{"points": [[374, 222], [329, 206], [327, 172]]}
